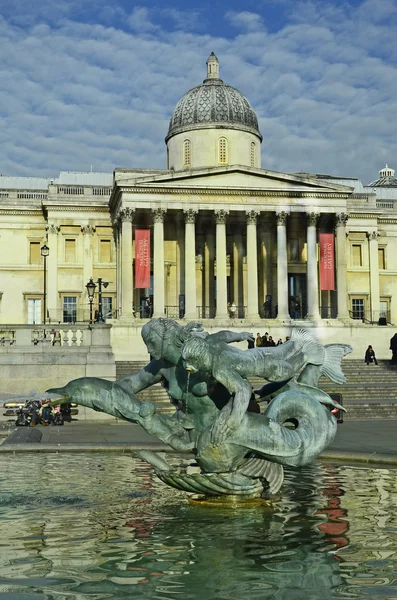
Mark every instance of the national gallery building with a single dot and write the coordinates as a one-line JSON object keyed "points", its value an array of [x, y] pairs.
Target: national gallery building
{"points": [[213, 231]]}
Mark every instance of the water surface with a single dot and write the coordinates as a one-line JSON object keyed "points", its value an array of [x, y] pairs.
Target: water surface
{"points": [[101, 526]]}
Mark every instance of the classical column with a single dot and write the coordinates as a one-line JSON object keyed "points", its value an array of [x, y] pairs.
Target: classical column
{"points": [[341, 268], [116, 224], [52, 272], [88, 263], [127, 279], [190, 264], [374, 274], [238, 272], [158, 262], [209, 280], [252, 265], [282, 266], [221, 272], [312, 268]]}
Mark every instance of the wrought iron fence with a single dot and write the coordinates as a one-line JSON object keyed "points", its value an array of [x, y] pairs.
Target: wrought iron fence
{"points": [[328, 312], [375, 317], [206, 312]]}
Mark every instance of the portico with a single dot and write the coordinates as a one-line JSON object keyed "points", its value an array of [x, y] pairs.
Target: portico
{"points": [[238, 245]]}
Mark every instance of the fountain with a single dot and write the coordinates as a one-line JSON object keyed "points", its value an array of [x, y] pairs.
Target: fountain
{"points": [[238, 452]]}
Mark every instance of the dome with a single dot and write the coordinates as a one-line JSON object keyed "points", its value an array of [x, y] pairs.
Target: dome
{"points": [[213, 104], [386, 178]]}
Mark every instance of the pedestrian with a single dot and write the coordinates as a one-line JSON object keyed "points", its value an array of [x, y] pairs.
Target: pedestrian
{"points": [[393, 348], [279, 342], [265, 340], [370, 356], [270, 341], [258, 341], [133, 312], [251, 342], [232, 310], [147, 308]]}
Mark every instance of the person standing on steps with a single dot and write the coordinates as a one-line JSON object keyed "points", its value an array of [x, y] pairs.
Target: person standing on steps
{"points": [[393, 348], [370, 356]]}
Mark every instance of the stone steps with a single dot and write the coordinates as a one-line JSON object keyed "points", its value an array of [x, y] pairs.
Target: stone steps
{"points": [[369, 392]]}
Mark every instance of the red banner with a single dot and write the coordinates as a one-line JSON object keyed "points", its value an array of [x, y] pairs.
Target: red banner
{"points": [[142, 258], [327, 261]]}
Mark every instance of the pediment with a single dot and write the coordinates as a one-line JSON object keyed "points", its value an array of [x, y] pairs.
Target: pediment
{"points": [[234, 178]]}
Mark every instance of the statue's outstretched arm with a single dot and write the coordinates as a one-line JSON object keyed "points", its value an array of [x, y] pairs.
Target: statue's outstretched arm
{"points": [[149, 375], [231, 336]]}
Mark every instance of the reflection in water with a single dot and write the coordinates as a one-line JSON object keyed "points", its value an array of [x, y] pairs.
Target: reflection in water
{"points": [[102, 527]]}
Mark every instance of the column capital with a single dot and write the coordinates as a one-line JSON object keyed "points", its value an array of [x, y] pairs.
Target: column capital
{"points": [[52, 228], [372, 235], [88, 229], [281, 217], [221, 216], [341, 219], [190, 215], [251, 216], [158, 215], [312, 218], [126, 214]]}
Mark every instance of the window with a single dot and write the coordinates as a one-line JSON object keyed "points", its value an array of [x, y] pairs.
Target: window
{"points": [[358, 308], [381, 258], [187, 158], [222, 151], [253, 154], [107, 311], [70, 251], [69, 309], [34, 254], [357, 259], [34, 311], [104, 251]]}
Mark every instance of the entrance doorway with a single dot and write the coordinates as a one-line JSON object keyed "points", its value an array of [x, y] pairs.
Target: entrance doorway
{"points": [[297, 295]]}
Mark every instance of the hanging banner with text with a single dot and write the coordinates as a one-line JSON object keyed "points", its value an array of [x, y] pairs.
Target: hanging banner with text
{"points": [[142, 258], [327, 262]]}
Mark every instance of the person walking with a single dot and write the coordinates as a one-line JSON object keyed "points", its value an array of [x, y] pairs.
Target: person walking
{"points": [[393, 348], [258, 341], [370, 356]]}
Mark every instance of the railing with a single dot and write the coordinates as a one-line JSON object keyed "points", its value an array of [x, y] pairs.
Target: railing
{"points": [[375, 317], [173, 312], [328, 312], [239, 313], [47, 336], [206, 312]]}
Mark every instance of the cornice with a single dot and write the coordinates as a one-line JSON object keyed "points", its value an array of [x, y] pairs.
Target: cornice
{"points": [[79, 208], [185, 191], [353, 215], [21, 212], [387, 221]]}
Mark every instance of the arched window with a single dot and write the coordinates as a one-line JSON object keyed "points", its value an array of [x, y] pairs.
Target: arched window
{"points": [[187, 153], [253, 154], [222, 151]]}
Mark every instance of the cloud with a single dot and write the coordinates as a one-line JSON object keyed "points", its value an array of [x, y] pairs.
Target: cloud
{"points": [[97, 87], [246, 20]]}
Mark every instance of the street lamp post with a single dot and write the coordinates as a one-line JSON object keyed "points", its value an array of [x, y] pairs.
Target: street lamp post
{"points": [[91, 291], [44, 251], [91, 287]]}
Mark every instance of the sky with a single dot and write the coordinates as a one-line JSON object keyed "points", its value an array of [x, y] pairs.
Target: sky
{"points": [[91, 85]]}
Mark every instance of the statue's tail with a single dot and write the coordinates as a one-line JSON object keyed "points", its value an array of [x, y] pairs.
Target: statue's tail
{"points": [[327, 359]]}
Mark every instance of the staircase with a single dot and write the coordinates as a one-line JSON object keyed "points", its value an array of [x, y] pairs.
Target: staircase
{"points": [[369, 392], [156, 393]]}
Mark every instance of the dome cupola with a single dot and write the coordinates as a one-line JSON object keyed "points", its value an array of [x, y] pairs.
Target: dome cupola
{"points": [[206, 112]]}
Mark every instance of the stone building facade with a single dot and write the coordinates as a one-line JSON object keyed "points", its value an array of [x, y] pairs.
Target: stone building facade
{"points": [[222, 230]]}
